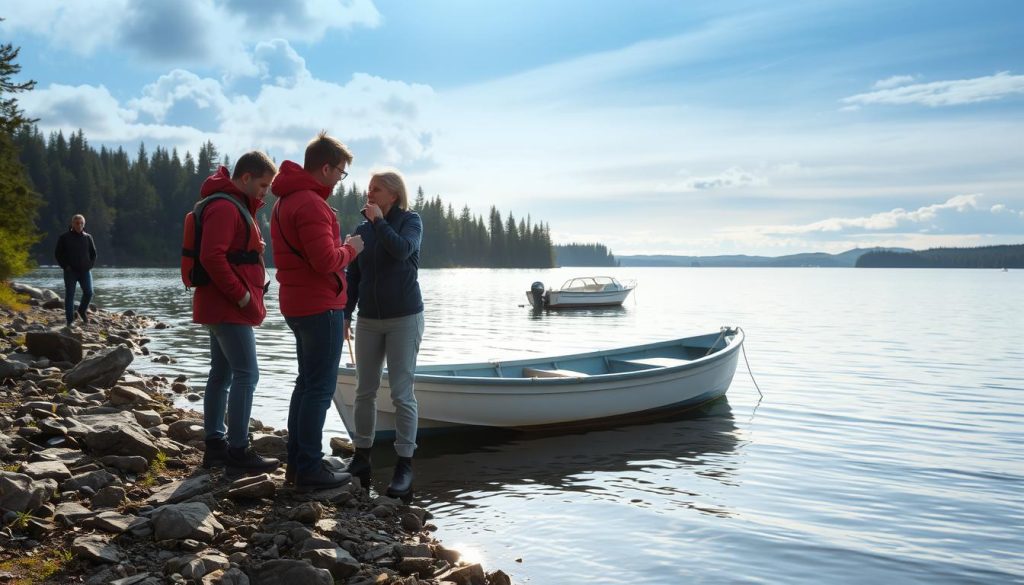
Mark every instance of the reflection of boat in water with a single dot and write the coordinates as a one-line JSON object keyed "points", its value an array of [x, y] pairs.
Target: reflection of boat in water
{"points": [[490, 460], [561, 393], [586, 291]]}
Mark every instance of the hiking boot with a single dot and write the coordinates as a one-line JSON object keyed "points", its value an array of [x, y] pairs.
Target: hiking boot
{"points": [[216, 454], [84, 314], [321, 479], [360, 466], [331, 463], [245, 459], [401, 481]]}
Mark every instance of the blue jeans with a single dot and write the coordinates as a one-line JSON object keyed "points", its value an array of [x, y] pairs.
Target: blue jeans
{"points": [[73, 277], [232, 364], [318, 342], [397, 341]]}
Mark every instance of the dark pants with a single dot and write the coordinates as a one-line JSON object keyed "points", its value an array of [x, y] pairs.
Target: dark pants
{"points": [[234, 373], [318, 342], [73, 277]]}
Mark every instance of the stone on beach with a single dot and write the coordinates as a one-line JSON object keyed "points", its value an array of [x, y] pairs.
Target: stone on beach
{"points": [[122, 439], [290, 571], [96, 548], [189, 520], [55, 345], [21, 493], [180, 490], [102, 370]]}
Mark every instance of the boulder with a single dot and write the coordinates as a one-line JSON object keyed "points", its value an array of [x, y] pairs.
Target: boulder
{"points": [[71, 513], [189, 520], [336, 560], [110, 521], [181, 490], [55, 345], [186, 430], [96, 548], [12, 369], [20, 493], [120, 395], [121, 439], [95, 480], [129, 463], [102, 370], [46, 469], [289, 571], [110, 496]]}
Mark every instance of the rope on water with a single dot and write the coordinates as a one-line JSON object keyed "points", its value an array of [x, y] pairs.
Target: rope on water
{"points": [[751, 372]]}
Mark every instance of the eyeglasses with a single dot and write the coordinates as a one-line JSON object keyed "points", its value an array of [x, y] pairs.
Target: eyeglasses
{"points": [[342, 171]]}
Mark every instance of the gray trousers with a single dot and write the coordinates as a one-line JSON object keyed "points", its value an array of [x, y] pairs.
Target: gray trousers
{"points": [[398, 341]]}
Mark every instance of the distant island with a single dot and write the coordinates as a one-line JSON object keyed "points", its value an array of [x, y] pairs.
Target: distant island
{"points": [[979, 257]]}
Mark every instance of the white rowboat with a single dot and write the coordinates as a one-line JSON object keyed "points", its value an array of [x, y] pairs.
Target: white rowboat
{"points": [[565, 392]]}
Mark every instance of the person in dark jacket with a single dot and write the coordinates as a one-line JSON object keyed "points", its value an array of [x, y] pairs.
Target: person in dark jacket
{"points": [[230, 306], [383, 286], [310, 257], [76, 254]]}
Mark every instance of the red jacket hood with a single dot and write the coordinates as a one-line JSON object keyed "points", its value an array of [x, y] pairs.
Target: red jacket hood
{"points": [[220, 182], [292, 178]]}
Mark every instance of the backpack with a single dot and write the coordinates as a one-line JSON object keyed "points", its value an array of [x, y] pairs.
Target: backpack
{"points": [[192, 272]]}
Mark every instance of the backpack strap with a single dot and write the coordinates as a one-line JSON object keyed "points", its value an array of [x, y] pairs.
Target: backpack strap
{"points": [[280, 230], [244, 256]]}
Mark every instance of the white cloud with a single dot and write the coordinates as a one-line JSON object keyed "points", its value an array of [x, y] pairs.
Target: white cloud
{"points": [[185, 98], [958, 213], [894, 81], [945, 93], [186, 33], [731, 177]]}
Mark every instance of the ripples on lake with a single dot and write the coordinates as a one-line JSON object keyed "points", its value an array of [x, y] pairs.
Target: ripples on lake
{"points": [[887, 448]]}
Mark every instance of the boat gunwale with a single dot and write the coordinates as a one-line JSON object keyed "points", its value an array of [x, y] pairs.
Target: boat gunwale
{"points": [[427, 377]]}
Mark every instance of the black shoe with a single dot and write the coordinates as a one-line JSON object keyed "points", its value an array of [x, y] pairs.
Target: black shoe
{"points": [[321, 479], [216, 454], [360, 466], [83, 313], [245, 459], [401, 481]]}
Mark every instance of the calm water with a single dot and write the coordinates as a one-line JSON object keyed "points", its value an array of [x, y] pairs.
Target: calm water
{"points": [[889, 447]]}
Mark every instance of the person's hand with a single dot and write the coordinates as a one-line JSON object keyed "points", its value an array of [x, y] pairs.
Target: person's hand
{"points": [[372, 212], [347, 330], [245, 300], [356, 242]]}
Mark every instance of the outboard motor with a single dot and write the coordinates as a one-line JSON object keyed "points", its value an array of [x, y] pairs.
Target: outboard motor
{"points": [[537, 292]]}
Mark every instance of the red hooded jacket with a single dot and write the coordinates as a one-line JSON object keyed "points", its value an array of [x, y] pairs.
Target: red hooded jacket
{"points": [[224, 231], [312, 282]]}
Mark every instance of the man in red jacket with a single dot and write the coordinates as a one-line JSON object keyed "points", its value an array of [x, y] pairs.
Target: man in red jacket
{"points": [[230, 306], [310, 258]]}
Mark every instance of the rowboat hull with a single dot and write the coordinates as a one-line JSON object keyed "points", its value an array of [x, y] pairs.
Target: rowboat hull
{"points": [[592, 389], [576, 300]]}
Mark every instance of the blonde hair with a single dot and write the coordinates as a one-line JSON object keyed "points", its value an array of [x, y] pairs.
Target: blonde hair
{"points": [[393, 182]]}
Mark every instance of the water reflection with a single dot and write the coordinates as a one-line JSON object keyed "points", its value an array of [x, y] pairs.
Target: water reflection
{"points": [[484, 461]]}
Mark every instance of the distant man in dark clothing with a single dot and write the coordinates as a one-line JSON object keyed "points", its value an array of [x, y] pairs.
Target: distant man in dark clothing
{"points": [[76, 254]]}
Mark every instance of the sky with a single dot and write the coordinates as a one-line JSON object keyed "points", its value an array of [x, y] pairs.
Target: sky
{"points": [[653, 127]]}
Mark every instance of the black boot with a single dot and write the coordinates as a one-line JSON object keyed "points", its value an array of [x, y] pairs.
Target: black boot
{"points": [[246, 460], [216, 454], [360, 466], [401, 482], [321, 479]]}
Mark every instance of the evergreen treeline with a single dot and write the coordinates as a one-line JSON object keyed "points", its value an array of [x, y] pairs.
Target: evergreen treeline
{"points": [[980, 257], [584, 255], [135, 206]]}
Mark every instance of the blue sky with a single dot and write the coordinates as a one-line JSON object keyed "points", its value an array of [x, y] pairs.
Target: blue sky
{"points": [[655, 127]]}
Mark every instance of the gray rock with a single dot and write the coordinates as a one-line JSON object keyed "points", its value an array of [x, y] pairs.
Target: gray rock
{"points": [[129, 463], [422, 565], [102, 370], [147, 418], [31, 291], [316, 544], [20, 493], [186, 430], [136, 579], [55, 345], [96, 548], [465, 575], [289, 571], [307, 513], [121, 439], [46, 469], [403, 551], [260, 486], [108, 497], [232, 576], [12, 369], [120, 395], [95, 480], [181, 490], [336, 560], [189, 520], [269, 445], [110, 521], [70, 513]]}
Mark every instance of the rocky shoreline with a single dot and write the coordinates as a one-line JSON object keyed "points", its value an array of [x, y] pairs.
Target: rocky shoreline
{"points": [[101, 480]]}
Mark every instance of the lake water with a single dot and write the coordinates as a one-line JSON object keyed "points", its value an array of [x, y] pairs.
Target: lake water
{"points": [[888, 448]]}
